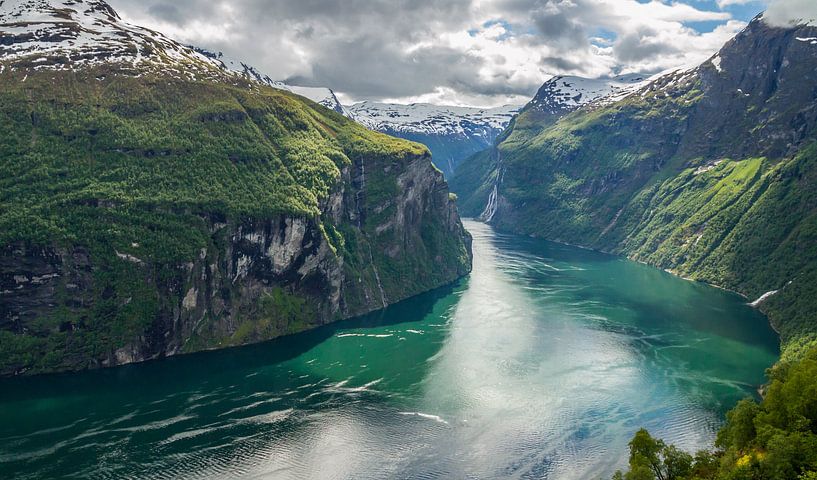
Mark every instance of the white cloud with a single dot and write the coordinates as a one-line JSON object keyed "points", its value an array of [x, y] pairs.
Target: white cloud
{"points": [[726, 3], [483, 52], [788, 12]]}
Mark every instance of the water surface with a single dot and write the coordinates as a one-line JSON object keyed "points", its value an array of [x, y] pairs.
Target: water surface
{"points": [[542, 364]]}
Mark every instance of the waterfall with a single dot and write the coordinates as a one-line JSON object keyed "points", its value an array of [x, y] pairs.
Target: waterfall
{"points": [[377, 278], [490, 209], [493, 199], [380, 286]]}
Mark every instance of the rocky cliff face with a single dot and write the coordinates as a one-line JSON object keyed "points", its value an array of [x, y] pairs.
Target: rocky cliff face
{"points": [[705, 172], [257, 279]]}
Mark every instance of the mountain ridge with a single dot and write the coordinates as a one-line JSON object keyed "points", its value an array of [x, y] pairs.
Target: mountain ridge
{"points": [[320, 95]]}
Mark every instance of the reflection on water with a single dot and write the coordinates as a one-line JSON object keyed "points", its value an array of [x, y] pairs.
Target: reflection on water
{"points": [[541, 365]]}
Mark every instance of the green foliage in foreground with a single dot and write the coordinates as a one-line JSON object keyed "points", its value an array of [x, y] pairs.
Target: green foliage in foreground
{"points": [[773, 440]]}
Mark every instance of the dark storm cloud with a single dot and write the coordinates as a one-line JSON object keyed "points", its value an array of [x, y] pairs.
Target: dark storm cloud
{"points": [[557, 27], [640, 46], [171, 13], [356, 46], [381, 70], [561, 64]]}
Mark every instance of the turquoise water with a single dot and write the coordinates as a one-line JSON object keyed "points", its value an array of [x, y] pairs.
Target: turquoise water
{"points": [[542, 364]]}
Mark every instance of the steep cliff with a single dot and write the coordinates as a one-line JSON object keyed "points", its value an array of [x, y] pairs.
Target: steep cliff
{"points": [[707, 172], [154, 203]]}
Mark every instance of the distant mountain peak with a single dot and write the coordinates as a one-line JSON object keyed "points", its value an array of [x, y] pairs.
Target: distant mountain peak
{"points": [[451, 133], [430, 119], [564, 93]]}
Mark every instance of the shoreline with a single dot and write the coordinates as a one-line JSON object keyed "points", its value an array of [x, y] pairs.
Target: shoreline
{"points": [[751, 304]]}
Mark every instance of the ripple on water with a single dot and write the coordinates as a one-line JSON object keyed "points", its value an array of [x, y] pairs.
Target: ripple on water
{"points": [[541, 365]]}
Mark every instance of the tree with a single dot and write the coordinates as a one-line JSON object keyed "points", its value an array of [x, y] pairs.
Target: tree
{"points": [[677, 463], [705, 465], [739, 430], [644, 453], [651, 458], [776, 439]]}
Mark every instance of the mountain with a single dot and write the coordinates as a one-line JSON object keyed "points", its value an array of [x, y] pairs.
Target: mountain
{"points": [[558, 96], [75, 33], [563, 94], [451, 133], [709, 172], [70, 34], [155, 202]]}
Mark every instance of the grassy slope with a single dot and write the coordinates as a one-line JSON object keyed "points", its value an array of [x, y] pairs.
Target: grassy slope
{"points": [[749, 225], [133, 166], [197, 145]]}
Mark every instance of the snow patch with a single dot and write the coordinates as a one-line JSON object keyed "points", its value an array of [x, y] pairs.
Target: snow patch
{"points": [[565, 93], [716, 62], [71, 34], [707, 168]]}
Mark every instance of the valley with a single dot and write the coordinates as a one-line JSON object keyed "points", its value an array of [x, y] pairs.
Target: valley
{"points": [[476, 246]]}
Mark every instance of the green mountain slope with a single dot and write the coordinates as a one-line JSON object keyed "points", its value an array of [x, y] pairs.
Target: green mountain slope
{"points": [[144, 213], [706, 172]]}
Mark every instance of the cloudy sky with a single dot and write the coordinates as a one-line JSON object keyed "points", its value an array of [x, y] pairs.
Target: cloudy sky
{"points": [[465, 52]]}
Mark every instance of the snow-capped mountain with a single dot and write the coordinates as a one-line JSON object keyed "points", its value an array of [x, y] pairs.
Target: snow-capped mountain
{"points": [[563, 94], [68, 34], [451, 133], [455, 133], [430, 119]]}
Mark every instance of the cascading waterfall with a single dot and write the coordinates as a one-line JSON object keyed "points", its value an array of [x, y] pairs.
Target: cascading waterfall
{"points": [[380, 286], [371, 255], [377, 278], [491, 208]]}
